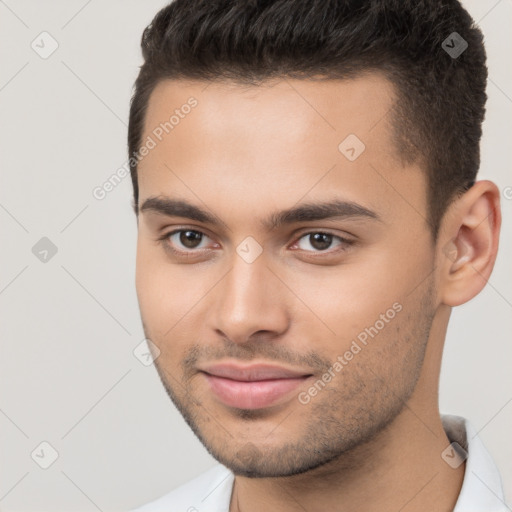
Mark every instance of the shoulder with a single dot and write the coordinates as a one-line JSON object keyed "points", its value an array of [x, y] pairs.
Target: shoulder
{"points": [[209, 491]]}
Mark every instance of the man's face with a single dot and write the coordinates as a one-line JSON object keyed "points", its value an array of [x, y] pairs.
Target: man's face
{"points": [[356, 289]]}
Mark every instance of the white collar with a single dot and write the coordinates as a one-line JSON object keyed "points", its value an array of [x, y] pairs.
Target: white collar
{"points": [[482, 489]]}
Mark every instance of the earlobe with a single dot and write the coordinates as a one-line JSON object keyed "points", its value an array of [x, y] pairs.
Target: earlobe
{"points": [[468, 243]]}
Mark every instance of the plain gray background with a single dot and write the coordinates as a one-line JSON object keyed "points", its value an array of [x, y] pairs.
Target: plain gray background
{"points": [[69, 326]]}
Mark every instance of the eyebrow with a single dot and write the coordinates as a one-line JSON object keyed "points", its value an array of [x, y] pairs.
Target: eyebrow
{"points": [[305, 212]]}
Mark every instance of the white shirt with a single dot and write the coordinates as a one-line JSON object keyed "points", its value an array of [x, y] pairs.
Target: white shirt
{"points": [[481, 490]]}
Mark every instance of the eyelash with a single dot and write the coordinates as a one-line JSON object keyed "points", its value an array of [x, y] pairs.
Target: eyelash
{"points": [[344, 243]]}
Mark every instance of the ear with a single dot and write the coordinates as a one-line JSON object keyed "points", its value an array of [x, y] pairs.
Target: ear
{"points": [[468, 243]]}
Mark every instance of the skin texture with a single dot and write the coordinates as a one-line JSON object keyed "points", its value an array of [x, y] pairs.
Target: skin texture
{"points": [[372, 436]]}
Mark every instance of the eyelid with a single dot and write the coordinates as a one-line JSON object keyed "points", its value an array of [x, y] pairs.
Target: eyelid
{"points": [[327, 231], [345, 243]]}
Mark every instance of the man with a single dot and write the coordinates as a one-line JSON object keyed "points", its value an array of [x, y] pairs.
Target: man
{"points": [[304, 183]]}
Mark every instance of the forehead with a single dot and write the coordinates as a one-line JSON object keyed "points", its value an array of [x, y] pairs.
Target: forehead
{"points": [[292, 109], [275, 143]]}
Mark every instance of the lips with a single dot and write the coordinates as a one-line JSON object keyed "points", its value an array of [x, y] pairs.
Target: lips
{"points": [[254, 386]]}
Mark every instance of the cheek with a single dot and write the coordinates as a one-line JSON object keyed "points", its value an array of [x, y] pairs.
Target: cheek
{"points": [[350, 297], [157, 292], [169, 295], [370, 293]]}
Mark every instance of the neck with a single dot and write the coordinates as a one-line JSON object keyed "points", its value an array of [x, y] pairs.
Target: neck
{"points": [[400, 469]]}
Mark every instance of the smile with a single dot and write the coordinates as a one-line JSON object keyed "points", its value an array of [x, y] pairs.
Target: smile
{"points": [[254, 394]]}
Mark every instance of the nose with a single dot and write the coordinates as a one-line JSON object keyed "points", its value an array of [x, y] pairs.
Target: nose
{"points": [[249, 300]]}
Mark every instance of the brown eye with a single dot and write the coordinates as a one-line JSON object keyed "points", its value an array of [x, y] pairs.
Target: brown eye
{"points": [[184, 240], [190, 239], [319, 241]]}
